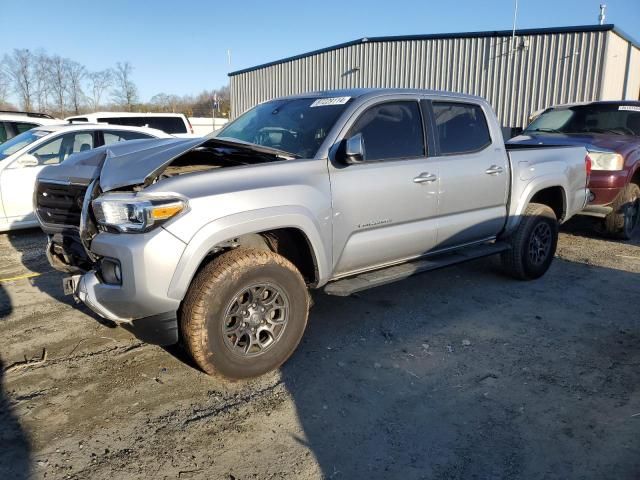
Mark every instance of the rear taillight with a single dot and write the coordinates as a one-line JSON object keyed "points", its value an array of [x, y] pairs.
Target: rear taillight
{"points": [[189, 123], [587, 165]]}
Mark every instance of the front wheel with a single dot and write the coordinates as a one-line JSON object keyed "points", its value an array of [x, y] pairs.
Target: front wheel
{"points": [[244, 313], [533, 244], [625, 217]]}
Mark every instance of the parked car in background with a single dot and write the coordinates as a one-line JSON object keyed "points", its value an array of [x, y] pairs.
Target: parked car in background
{"points": [[218, 239], [25, 155], [174, 123], [610, 131], [205, 125], [14, 123]]}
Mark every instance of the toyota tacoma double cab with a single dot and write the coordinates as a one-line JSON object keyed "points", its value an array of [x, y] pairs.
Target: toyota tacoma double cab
{"points": [[610, 131], [215, 242]]}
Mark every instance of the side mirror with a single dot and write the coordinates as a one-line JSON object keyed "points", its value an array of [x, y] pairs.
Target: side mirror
{"points": [[354, 149], [27, 160]]}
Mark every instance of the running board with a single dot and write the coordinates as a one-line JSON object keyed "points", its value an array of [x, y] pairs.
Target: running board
{"points": [[376, 278]]}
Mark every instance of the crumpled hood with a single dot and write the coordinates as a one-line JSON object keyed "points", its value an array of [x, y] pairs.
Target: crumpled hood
{"points": [[622, 144], [120, 164], [136, 161], [133, 165]]}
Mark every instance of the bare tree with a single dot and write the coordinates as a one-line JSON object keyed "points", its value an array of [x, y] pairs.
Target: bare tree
{"points": [[20, 68], [42, 83], [75, 74], [5, 86], [99, 82], [125, 92], [167, 103], [58, 82]]}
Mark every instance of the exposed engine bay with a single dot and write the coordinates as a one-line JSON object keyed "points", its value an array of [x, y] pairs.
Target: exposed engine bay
{"points": [[126, 170]]}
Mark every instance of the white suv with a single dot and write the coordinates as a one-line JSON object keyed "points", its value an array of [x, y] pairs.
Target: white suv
{"points": [[174, 123], [14, 123], [22, 158]]}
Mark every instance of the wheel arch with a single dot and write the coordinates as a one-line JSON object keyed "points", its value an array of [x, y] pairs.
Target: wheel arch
{"points": [[290, 232], [550, 191]]}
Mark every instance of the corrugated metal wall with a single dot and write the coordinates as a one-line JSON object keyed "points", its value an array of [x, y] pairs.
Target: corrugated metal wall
{"points": [[542, 70]]}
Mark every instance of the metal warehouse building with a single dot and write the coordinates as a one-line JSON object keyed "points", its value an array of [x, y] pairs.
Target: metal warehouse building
{"points": [[518, 74]]}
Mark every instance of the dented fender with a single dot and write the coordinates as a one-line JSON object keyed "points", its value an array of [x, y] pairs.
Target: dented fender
{"points": [[227, 228]]}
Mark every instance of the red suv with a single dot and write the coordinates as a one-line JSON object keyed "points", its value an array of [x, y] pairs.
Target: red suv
{"points": [[610, 131]]}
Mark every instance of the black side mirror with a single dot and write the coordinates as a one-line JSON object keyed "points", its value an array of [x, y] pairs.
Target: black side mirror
{"points": [[354, 149]]}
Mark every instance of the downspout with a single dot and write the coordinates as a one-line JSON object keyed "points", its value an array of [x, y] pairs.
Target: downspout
{"points": [[627, 72]]}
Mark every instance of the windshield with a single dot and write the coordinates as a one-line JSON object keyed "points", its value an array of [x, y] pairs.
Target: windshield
{"points": [[297, 126], [20, 141], [594, 118]]}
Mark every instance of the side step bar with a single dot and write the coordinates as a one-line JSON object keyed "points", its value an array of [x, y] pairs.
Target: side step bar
{"points": [[376, 278]]}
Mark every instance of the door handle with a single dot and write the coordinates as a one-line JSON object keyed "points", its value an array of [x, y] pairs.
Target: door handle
{"points": [[494, 170], [425, 177]]}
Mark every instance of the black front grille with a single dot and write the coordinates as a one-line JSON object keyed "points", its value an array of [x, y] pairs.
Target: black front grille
{"points": [[60, 204]]}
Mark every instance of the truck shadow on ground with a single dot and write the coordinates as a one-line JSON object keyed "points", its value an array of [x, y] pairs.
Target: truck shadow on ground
{"points": [[464, 373], [15, 445], [15, 448]]}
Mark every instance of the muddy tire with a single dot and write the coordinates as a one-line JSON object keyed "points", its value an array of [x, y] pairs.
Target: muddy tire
{"points": [[625, 217], [244, 314], [533, 244]]}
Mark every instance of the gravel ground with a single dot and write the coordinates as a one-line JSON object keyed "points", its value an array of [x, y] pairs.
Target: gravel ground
{"points": [[457, 374]]}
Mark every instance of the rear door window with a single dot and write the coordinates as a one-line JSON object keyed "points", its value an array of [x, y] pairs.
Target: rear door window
{"points": [[128, 121], [460, 128], [167, 124], [391, 130], [3, 133], [115, 136]]}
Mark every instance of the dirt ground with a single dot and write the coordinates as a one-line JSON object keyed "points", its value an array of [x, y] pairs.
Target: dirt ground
{"points": [[457, 374]]}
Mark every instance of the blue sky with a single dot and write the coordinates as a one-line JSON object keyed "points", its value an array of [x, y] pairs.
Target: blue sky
{"points": [[180, 47]]}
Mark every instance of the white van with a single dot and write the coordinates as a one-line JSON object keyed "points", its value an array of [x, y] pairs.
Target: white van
{"points": [[174, 123]]}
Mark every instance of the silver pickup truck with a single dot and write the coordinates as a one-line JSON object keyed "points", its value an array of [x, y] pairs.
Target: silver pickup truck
{"points": [[215, 242]]}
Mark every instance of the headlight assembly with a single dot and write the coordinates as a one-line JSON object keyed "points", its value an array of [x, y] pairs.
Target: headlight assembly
{"points": [[606, 161], [131, 213]]}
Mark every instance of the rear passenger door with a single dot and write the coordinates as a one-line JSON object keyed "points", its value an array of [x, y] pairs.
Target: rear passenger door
{"points": [[385, 208], [473, 174]]}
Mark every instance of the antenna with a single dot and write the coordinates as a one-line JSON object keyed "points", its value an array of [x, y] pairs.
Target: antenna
{"points": [[601, 16], [229, 56]]}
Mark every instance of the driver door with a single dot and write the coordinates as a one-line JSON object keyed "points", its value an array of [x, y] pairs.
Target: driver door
{"points": [[17, 181], [385, 208]]}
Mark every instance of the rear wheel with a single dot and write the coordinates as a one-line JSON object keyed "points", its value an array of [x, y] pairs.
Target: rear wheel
{"points": [[244, 313], [625, 217], [533, 244]]}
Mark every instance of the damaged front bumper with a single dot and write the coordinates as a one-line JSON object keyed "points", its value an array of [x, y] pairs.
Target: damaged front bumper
{"points": [[140, 301]]}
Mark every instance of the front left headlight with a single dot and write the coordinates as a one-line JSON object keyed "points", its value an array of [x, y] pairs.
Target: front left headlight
{"points": [[131, 213], [606, 161]]}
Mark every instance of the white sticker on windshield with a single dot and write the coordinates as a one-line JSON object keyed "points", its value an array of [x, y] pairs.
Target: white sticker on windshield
{"points": [[324, 102], [630, 108]]}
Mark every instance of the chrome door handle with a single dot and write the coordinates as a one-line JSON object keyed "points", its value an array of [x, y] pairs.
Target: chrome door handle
{"points": [[425, 177], [494, 170]]}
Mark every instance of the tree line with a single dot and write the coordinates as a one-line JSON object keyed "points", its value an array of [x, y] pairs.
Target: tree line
{"points": [[61, 86]]}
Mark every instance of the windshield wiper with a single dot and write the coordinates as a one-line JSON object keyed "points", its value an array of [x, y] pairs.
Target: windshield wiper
{"points": [[276, 151], [545, 130]]}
